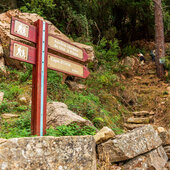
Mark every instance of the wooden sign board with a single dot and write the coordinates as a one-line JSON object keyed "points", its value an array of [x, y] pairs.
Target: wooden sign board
{"points": [[66, 48], [23, 30], [41, 60], [22, 52], [66, 66]]}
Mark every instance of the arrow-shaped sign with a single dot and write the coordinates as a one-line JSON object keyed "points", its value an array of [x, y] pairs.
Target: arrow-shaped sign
{"points": [[67, 66], [27, 54], [66, 48]]}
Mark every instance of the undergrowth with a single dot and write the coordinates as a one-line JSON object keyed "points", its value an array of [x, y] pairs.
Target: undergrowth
{"points": [[92, 103]]}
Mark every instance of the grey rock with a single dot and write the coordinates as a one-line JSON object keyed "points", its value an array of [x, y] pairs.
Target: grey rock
{"points": [[23, 100], [165, 137], [50, 153], [58, 114], [167, 166], [129, 145], [132, 126], [167, 150], [138, 120], [141, 113], [2, 65], [153, 160], [9, 115], [1, 97], [1, 51], [103, 135]]}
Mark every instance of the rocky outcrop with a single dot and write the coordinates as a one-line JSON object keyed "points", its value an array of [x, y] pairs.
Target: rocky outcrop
{"points": [[103, 135], [58, 114], [155, 159], [60, 153], [5, 20], [129, 145]]}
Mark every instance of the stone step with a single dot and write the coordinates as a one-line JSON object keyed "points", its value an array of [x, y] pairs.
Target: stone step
{"points": [[132, 126], [142, 113], [139, 120]]}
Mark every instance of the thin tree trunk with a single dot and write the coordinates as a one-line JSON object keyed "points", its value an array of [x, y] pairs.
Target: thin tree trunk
{"points": [[159, 39]]}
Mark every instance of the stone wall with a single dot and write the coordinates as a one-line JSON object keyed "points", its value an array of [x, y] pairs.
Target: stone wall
{"points": [[58, 153]]}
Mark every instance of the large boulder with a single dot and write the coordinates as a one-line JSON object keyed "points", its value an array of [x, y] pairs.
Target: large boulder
{"points": [[58, 114], [60, 153], [129, 145], [5, 36], [153, 160]]}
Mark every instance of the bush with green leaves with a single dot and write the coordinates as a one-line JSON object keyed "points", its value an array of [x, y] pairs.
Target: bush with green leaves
{"points": [[20, 127], [107, 52], [71, 130]]}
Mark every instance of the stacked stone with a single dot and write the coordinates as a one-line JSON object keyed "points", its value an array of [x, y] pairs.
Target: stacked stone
{"points": [[139, 119], [165, 137], [139, 149]]}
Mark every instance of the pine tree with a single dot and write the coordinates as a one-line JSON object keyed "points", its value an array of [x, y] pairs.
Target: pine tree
{"points": [[159, 39]]}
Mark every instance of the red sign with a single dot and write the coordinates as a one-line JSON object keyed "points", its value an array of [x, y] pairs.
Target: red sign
{"points": [[22, 52], [41, 60], [23, 30], [67, 66], [66, 48]]}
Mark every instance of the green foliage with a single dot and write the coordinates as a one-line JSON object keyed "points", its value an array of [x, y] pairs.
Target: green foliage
{"points": [[126, 20], [17, 128], [107, 52], [44, 8], [106, 79], [71, 130]]}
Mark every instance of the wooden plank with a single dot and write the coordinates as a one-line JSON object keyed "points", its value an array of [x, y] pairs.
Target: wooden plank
{"points": [[22, 52], [40, 82], [66, 48], [67, 66], [23, 30]]}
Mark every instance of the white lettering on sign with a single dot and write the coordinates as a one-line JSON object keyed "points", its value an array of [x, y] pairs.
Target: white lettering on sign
{"points": [[20, 51], [21, 29], [65, 47], [65, 65]]}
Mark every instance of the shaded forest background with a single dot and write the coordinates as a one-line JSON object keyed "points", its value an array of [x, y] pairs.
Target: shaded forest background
{"points": [[113, 90], [126, 20]]}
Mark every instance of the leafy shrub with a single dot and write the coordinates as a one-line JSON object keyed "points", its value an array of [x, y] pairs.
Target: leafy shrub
{"points": [[18, 128], [107, 52], [71, 130], [12, 91]]}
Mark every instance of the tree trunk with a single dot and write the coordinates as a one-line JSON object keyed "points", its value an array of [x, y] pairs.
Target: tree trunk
{"points": [[159, 39]]}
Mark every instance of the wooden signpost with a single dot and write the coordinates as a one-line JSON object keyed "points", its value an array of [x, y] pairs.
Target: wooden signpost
{"points": [[41, 60]]}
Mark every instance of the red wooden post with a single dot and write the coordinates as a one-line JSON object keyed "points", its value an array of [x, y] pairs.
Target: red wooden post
{"points": [[39, 90]]}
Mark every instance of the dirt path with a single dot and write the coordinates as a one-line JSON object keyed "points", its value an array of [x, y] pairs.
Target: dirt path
{"points": [[151, 93]]}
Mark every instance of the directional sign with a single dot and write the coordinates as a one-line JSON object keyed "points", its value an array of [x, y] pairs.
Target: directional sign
{"points": [[67, 66], [23, 30], [66, 48], [41, 60], [22, 52]]}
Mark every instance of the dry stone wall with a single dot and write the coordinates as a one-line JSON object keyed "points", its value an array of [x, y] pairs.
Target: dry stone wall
{"points": [[50, 153]]}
